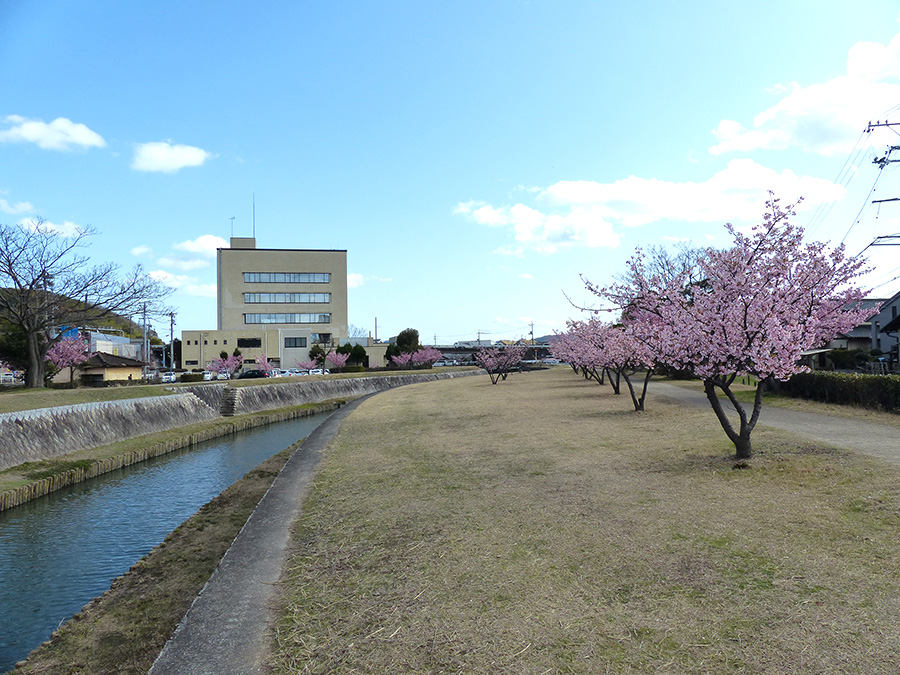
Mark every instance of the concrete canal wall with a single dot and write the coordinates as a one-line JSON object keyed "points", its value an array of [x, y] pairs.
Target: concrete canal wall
{"points": [[282, 395], [35, 435], [39, 488]]}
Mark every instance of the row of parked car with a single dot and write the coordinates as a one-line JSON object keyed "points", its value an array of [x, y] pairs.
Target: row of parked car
{"points": [[277, 372], [168, 377]]}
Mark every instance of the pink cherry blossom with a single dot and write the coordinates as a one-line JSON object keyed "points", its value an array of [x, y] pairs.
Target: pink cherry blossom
{"points": [[758, 306]]}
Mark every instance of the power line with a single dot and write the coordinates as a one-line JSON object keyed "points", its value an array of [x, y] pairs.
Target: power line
{"points": [[862, 208], [843, 178]]}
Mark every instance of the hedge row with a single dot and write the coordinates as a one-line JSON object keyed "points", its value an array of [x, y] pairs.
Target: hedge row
{"points": [[878, 392]]}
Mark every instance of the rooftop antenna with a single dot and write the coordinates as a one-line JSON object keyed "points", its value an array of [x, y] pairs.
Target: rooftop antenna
{"points": [[232, 226], [254, 215]]}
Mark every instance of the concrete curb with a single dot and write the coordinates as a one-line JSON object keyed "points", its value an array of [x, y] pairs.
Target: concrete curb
{"points": [[227, 627]]}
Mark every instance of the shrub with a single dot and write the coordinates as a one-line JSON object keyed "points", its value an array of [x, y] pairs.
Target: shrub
{"points": [[192, 377], [877, 392]]}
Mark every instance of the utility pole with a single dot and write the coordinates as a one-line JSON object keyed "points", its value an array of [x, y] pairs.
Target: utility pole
{"points": [[171, 341], [145, 349], [882, 162], [879, 123]]}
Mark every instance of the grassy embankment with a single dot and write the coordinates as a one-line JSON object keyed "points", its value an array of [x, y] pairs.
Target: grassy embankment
{"points": [[541, 526], [15, 399]]}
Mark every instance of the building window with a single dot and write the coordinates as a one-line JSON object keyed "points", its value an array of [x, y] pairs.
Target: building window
{"points": [[286, 318], [323, 338], [293, 298], [249, 343], [287, 277], [215, 342], [205, 342], [224, 342], [294, 342], [190, 363]]}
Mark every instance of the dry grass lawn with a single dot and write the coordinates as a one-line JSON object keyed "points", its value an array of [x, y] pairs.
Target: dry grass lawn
{"points": [[541, 526]]}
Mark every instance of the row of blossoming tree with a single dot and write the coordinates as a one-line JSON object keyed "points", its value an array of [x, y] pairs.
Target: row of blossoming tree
{"points": [[750, 309], [423, 357]]}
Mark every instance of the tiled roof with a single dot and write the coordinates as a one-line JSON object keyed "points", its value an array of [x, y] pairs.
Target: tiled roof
{"points": [[104, 360]]}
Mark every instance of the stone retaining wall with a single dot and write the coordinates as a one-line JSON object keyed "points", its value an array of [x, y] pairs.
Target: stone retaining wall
{"points": [[39, 488], [285, 394], [36, 435], [42, 434]]}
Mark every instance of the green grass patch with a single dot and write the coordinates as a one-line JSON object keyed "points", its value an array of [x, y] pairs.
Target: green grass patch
{"points": [[53, 467]]}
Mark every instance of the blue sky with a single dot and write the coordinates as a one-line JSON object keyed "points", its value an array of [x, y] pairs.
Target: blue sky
{"points": [[474, 158]]}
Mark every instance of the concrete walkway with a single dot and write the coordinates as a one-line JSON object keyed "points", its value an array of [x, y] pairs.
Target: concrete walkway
{"points": [[871, 438], [227, 629]]}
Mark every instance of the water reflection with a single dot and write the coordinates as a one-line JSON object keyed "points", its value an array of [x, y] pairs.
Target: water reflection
{"points": [[60, 551]]}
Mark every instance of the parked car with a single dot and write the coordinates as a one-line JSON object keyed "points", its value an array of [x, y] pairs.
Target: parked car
{"points": [[320, 371], [207, 376], [223, 376], [248, 374], [7, 378], [169, 377], [294, 372]]}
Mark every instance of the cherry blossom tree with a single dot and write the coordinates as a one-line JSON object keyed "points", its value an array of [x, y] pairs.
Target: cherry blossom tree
{"points": [[68, 352], [498, 361], [627, 352], [758, 305], [229, 365], [426, 356], [307, 365], [402, 360], [337, 360], [264, 364], [603, 349]]}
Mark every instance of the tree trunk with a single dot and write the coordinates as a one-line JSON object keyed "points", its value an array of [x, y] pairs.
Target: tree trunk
{"points": [[741, 438], [34, 376]]}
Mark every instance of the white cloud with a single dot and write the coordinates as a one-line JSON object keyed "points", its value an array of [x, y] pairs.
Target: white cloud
{"points": [[205, 245], [167, 158], [17, 208], [355, 280], [60, 134], [587, 213], [142, 251], [186, 284], [181, 264], [544, 232], [824, 118], [525, 275], [737, 190]]}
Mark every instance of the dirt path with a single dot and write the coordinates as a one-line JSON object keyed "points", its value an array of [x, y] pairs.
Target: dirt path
{"points": [[871, 438]]}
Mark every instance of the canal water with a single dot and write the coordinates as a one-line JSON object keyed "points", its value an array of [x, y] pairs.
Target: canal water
{"points": [[60, 551]]}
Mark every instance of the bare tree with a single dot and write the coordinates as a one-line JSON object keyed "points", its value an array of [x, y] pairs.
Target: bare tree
{"points": [[46, 283], [357, 331]]}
